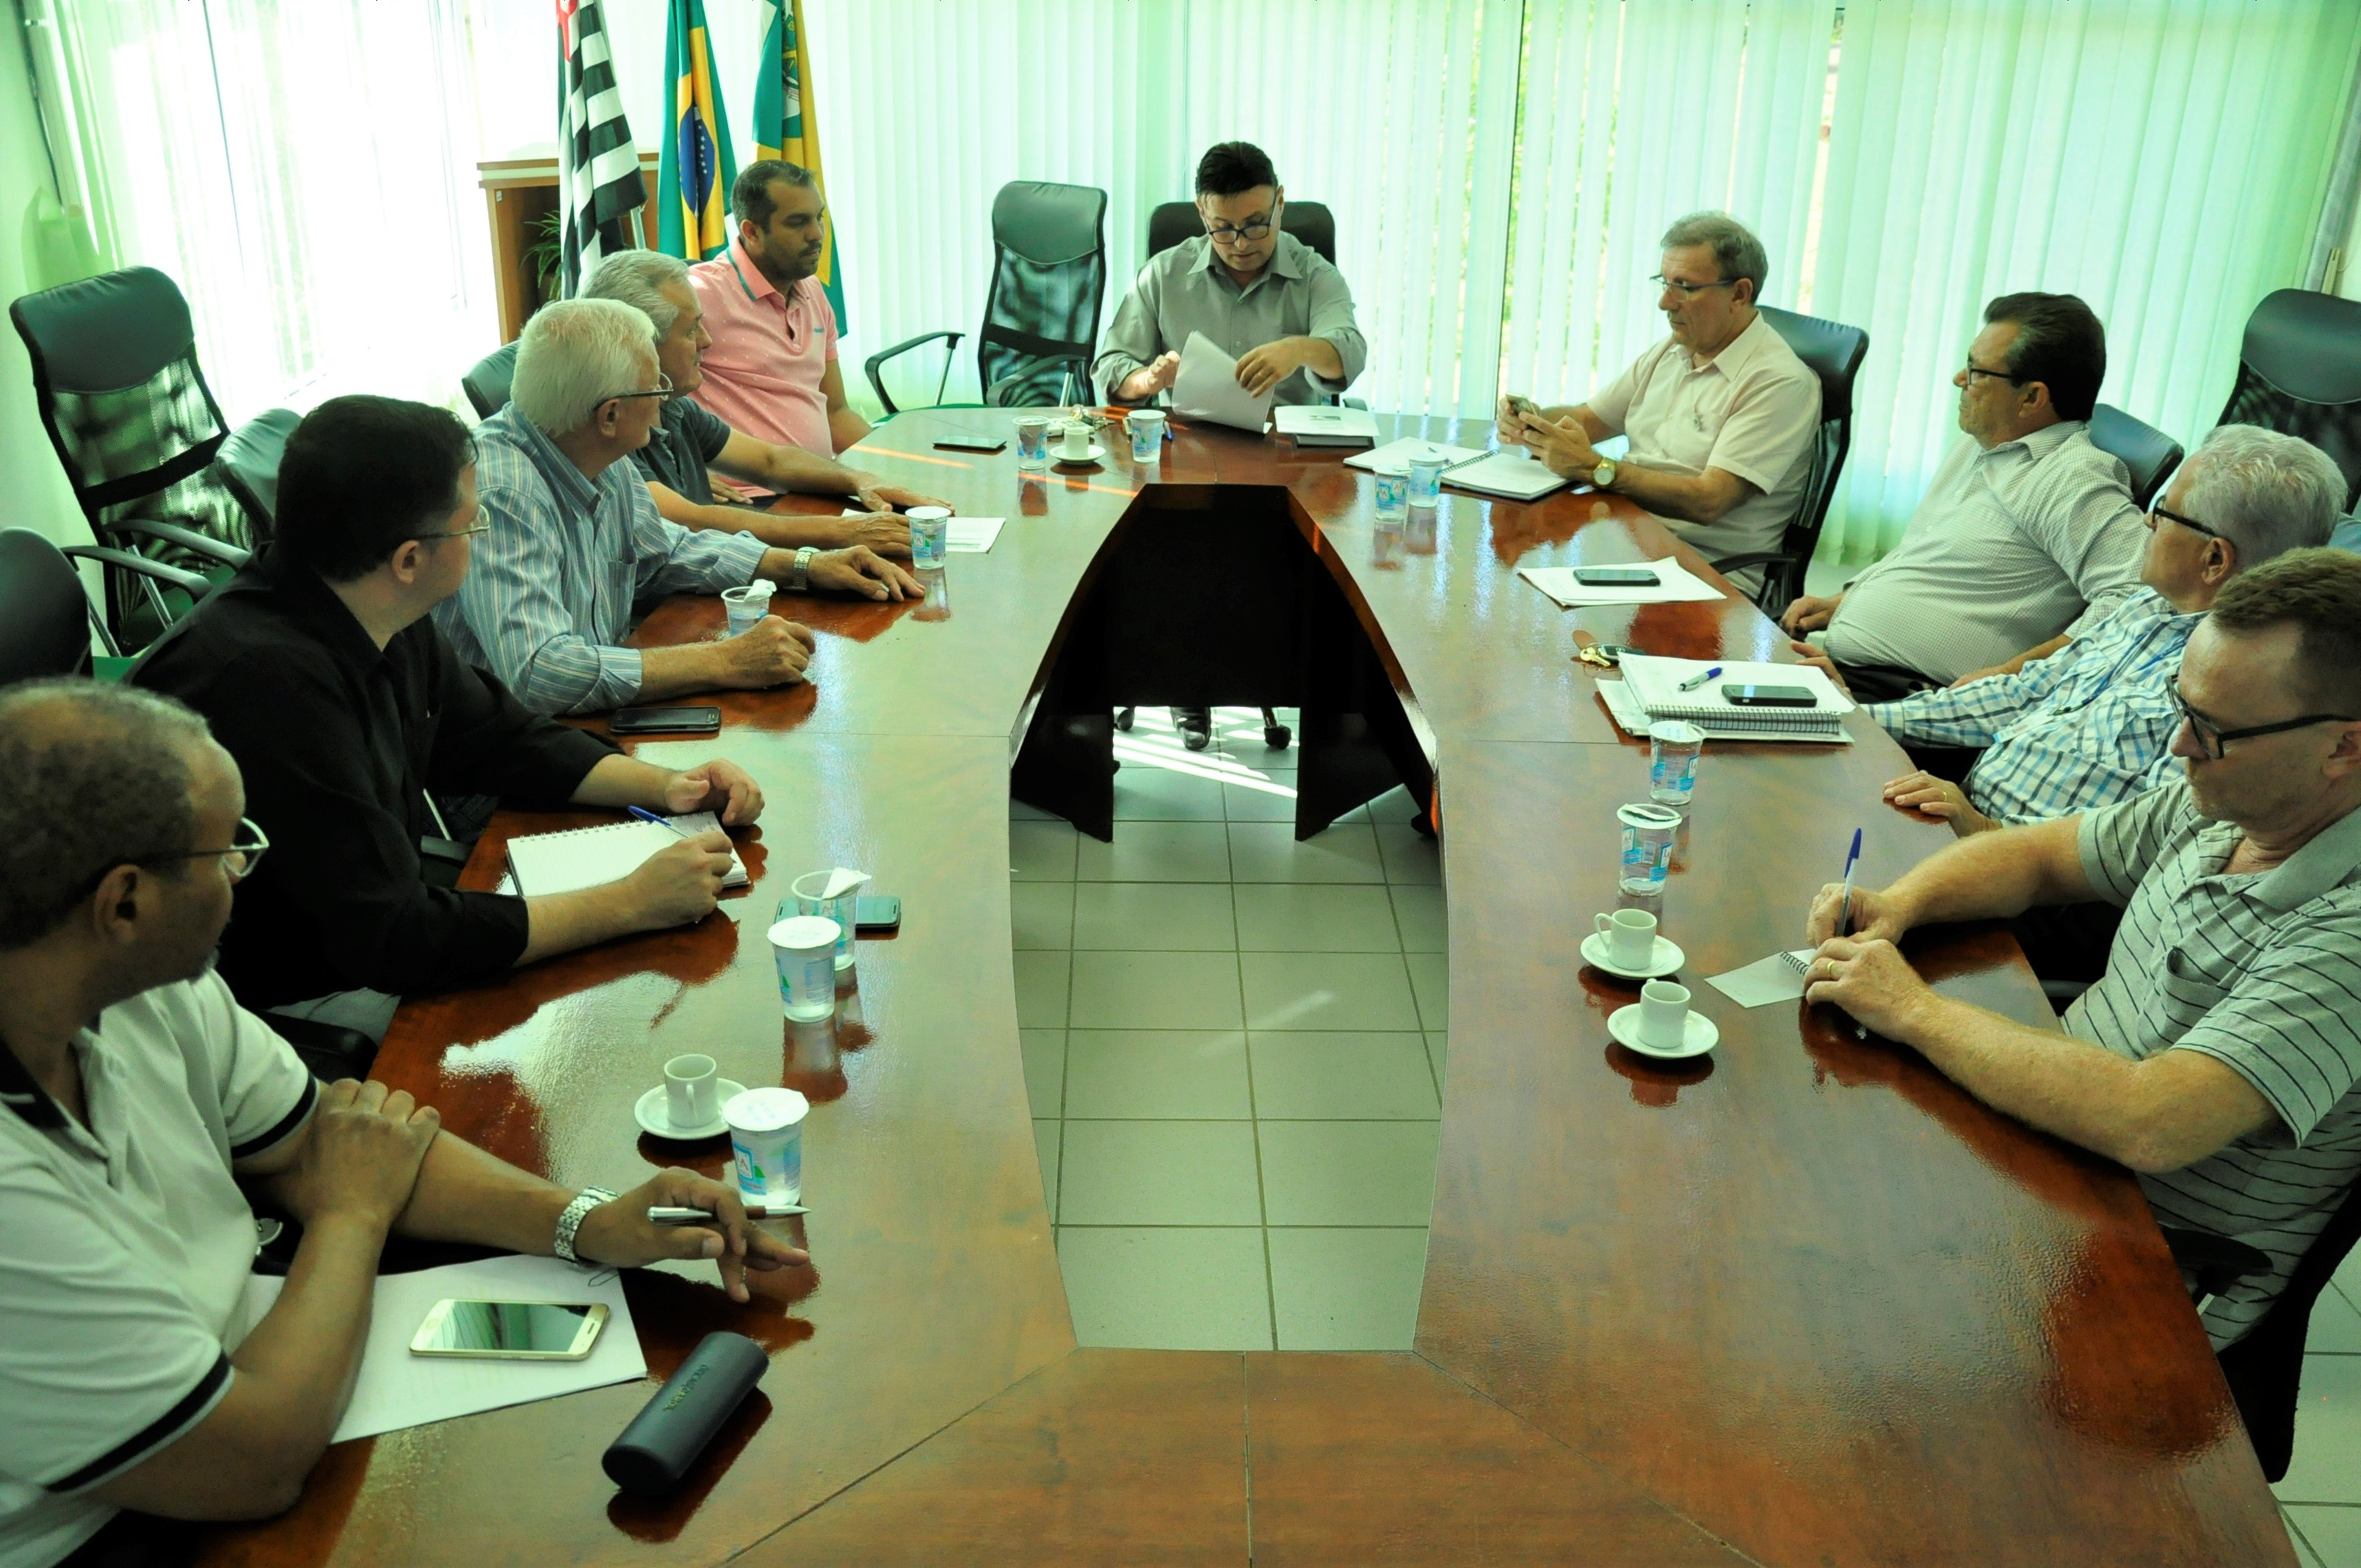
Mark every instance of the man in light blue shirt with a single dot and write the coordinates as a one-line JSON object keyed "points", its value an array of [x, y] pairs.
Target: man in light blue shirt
{"points": [[574, 540]]}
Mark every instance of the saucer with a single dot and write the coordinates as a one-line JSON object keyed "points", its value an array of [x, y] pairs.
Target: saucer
{"points": [[649, 1114], [1666, 958], [1699, 1038], [1064, 461]]}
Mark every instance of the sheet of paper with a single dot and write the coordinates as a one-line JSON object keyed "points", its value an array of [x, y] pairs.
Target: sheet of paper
{"points": [[1779, 978], [1674, 585], [1398, 454], [972, 535], [397, 1389], [1207, 388]]}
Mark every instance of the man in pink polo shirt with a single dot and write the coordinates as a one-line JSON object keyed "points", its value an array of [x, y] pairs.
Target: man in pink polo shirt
{"points": [[772, 372]]}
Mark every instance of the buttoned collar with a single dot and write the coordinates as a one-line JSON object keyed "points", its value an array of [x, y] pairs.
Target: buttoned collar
{"points": [[750, 277], [2330, 859], [26, 1097], [1741, 351], [573, 487], [2041, 443], [1287, 261]]}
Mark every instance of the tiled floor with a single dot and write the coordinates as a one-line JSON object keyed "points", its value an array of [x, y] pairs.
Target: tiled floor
{"points": [[1233, 1045], [2322, 1493]]}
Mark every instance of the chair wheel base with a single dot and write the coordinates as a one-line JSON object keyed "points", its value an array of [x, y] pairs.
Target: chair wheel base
{"points": [[1277, 736], [1123, 718]]}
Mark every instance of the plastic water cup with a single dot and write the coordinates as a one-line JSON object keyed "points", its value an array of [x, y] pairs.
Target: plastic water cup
{"points": [[1147, 427], [746, 606], [1673, 748], [1426, 480], [1033, 443], [1386, 543], [931, 532], [808, 889], [766, 1136], [1393, 494], [804, 947], [1648, 835]]}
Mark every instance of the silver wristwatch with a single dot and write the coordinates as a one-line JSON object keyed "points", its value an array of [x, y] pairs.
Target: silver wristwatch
{"points": [[570, 1220], [803, 568]]}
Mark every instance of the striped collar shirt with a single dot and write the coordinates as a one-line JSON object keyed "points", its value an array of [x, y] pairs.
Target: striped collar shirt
{"points": [[548, 601], [2089, 726], [2260, 971], [2010, 547]]}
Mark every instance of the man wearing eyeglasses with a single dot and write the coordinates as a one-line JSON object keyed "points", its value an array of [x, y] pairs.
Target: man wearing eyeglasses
{"points": [[2218, 1054], [1721, 413], [1257, 293]]}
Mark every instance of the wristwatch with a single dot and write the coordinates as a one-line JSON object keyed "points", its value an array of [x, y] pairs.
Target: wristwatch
{"points": [[570, 1220], [1603, 477], [803, 568]]}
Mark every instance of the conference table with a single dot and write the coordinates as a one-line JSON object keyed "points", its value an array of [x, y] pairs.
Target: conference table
{"points": [[1800, 1301]]}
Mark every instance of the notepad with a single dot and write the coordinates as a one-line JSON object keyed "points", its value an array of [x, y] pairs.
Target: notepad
{"points": [[544, 864], [1626, 710], [972, 535], [1779, 978], [1514, 474], [1654, 684], [1319, 424]]}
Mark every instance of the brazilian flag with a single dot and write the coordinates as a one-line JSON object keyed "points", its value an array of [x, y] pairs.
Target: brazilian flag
{"points": [[786, 128], [693, 179]]}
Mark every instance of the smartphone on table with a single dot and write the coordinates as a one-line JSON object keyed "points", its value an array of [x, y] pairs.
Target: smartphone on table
{"points": [[511, 1330], [876, 915], [665, 720], [1747, 693], [1617, 576]]}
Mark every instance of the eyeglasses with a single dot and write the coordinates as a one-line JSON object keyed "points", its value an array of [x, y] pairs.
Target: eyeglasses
{"points": [[245, 851], [2211, 740], [459, 532], [2189, 523], [1225, 234], [1974, 370], [663, 389], [1688, 290]]}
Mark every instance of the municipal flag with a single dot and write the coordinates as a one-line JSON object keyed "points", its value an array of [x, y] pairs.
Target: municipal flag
{"points": [[599, 187], [694, 180], [787, 127]]}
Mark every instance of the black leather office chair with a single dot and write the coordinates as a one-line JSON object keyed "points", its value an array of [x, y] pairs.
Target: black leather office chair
{"points": [[2148, 452], [46, 620], [249, 464], [117, 379], [2300, 372], [487, 382], [1834, 351], [1041, 312]]}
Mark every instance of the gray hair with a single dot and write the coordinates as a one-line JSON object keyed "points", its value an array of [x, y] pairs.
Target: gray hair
{"points": [[638, 278], [92, 776], [2265, 492], [574, 355], [1736, 252]]}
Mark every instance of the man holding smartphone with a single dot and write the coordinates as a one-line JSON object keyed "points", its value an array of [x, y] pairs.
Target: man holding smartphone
{"points": [[135, 1094]]}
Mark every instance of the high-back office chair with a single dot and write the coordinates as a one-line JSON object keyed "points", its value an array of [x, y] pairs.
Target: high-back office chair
{"points": [[249, 465], [117, 379], [2148, 452], [1041, 311], [1834, 351], [2300, 372], [46, 620], [487, 382]]}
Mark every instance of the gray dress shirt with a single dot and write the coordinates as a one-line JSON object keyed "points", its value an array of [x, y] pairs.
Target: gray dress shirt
{"points": [[1186, 290]]}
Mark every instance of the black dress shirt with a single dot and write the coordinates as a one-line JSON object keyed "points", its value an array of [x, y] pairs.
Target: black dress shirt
{"points": [[339, 744]]}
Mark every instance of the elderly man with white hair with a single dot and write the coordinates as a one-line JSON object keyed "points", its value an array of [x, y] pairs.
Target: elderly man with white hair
{"points": [[573, 539]]}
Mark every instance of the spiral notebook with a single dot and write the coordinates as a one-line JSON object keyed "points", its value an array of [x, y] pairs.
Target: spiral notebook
{"points": [[543, 863], [1652, 685]]}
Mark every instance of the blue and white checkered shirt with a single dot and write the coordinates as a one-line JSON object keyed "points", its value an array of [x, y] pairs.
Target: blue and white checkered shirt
{"points": [[547, 603], [2091, 725]]}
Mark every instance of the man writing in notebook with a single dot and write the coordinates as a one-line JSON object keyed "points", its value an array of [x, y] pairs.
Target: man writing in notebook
{"points": [[322, 672]]}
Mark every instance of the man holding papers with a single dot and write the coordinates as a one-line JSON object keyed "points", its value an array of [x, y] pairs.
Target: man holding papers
{"points": [[136, 1096], [1259, 295], [323, 676]]}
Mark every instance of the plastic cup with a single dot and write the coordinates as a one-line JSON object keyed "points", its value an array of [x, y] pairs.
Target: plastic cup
{"points": [[1673, 748], [808, 889], [1147, 427], [1648, 835], [1426, 480], [1663, 1014], [1386, 543], [931, 532], [766, 1136], [1393, 494], [746, 606], [804, 949], [1033, 443]]}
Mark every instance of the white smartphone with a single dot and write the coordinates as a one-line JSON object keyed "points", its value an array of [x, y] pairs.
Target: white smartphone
{"points": [[511, 1330]]}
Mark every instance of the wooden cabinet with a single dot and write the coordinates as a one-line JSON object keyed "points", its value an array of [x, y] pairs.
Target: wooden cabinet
{"points": [[519, 193]]}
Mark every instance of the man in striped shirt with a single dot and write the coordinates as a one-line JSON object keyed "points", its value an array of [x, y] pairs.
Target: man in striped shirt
{"points": [[2218, 1055]]}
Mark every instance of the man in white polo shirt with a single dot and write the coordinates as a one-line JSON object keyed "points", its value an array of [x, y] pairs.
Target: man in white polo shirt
{"points": [[134, 1093], [2218, 1055], [1721, 413]]}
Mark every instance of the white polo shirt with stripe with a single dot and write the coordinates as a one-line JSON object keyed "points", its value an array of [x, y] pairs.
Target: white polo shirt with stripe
{"points": [[126, 1246], [2261, 971]]}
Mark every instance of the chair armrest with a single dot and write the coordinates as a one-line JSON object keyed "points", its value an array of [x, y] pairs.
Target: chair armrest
{"points": [[188, 539], [870, 366], [1752, 558], [2199, 1251], [187, 582]]}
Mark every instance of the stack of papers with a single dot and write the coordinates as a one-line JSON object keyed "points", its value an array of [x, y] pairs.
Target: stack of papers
{"points": [[1320, 425], [1398, 454], [1650, 690], [1207, 388], [1673, 585]]}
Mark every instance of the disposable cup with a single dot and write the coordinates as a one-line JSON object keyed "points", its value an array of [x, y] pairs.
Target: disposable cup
{"points": [[746, 606], [1426, 479], [1033, 443], [1393, 494], [766, 1136], [1648, 834], [808, 890], [1147, 427], [804, 947], [1674, 747], [931, 529]]}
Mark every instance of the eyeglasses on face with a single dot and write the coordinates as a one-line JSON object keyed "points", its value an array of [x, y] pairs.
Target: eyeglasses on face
{"points": [[663, 389], [1972, 371], [2212, 739], [1688, 290], [1233, 234], [244, 853], [2188, 522], [457, 533]]}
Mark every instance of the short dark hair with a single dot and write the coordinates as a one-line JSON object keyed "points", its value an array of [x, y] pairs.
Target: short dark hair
{"points": [[93, 776], [749, 199], [2059, 343], [2319, 591], [1232, 169], [363, 474]]}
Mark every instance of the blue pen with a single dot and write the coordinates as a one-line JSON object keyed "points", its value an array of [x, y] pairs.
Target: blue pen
{"points": [[1698, 680], [644, 815], [1844, 911]]}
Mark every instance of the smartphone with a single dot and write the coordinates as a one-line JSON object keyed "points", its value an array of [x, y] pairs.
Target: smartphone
{"points": [[878, 914], [511, 1330], [972, 443], [1747, 695], [665, 720], [1616, 577], [1519, 403]]}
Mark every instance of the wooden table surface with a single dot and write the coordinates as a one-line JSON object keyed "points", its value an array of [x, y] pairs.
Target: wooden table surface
{"points": [[1799, 1302]]}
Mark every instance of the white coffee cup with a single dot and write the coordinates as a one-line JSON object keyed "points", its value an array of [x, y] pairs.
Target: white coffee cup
{"points": [[690, 1090], [766, 1136], [1077, 444], [1663, 1014], [1631, 937], [804, 949]]}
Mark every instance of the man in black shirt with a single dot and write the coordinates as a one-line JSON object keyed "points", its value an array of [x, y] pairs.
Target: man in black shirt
{"points": [[322, 674]]}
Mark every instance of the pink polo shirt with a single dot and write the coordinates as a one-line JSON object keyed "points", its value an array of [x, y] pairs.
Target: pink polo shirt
{"points": [[762, 372]]}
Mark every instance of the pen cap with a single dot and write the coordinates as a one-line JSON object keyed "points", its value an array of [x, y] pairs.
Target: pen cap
{"points": [[664, 1438]]}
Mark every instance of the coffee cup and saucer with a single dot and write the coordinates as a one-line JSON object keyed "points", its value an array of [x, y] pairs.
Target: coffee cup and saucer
{"points": [[1662, 1024], [687, 1105], [1627, 944]]}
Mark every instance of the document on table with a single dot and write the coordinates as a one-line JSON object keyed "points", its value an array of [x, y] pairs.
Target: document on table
{"points": [[1673, 586], [1207, 388], [969, 535], [1779, 978], [396, 1388]]}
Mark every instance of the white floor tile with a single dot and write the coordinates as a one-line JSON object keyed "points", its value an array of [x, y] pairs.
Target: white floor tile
{"points": [[1158, 851], [1316, 1076], [1148, 794], [1160, 1173], [1429, 976], [1268, 851], [1315, 917], [2331, 1538], [1194, 1288], [1041, 914], [1327, 991], [1418, 917], [1045, 1069], [1270, 799], [1041, 990], [1045, 1145], [1155, 990], [1158, 1075], [1154, 917], [1347, 1289], [1041, 852], [1409, 855], [2326, 1467]]}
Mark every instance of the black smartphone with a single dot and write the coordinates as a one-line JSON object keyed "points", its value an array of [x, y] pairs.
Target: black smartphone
{"points": [[1747, 695], [880, 913], [1616, 577], [665, 720], [975, 444]]}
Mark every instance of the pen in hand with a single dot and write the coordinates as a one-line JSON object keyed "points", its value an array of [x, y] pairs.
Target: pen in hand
{"points": [[666, 1214], [644, 815], [1844, 910], [1699, 679]]}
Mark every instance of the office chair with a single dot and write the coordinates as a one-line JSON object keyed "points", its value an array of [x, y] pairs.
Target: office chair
{"points": [[2148, 452], [46, 619], [1834, 351], [1041, 310], [486, 382], [117, 379], [249, 464], [2300, 373]]}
